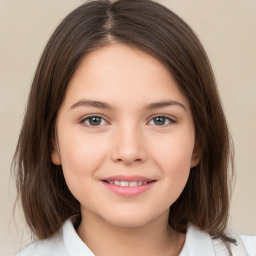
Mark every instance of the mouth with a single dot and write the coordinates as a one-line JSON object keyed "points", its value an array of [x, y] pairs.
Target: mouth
{"points": [[128, 185], [124, 183]]}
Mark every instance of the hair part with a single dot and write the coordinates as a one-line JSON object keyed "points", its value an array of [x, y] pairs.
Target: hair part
{"points": [[46, 199]]}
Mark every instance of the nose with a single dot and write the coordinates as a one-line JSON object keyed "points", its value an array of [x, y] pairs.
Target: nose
{"points": [[129, 146]]}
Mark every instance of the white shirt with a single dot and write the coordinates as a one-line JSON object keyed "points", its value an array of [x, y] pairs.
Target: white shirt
{"points": [[66, 242]]}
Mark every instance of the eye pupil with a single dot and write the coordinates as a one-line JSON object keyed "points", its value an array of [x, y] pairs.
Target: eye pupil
{"points": [[160, 120], [95, 120]]}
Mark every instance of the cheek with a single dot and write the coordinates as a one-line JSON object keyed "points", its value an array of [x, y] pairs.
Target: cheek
{"points": [[173, 158], [81, 157], [174, 153]]}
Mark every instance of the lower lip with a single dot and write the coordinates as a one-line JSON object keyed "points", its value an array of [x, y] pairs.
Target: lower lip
{"points": [[128, 191]]}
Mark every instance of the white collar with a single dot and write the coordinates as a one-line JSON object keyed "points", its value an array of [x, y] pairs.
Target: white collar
{"points": [[72, 242], [197, 243]]}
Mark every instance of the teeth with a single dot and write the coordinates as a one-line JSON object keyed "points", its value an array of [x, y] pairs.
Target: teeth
{"points": [[123, 183], [133, 184]]}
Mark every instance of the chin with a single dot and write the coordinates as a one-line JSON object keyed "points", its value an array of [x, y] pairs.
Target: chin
{"points": [[129, 219]]}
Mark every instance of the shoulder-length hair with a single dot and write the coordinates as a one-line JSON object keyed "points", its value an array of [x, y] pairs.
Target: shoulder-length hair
{"points": [[46, 199]]}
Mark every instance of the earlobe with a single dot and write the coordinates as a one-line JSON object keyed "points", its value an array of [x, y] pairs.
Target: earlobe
{"points": [[55, 154], [56, 157], [195, 160], [196, 156]]}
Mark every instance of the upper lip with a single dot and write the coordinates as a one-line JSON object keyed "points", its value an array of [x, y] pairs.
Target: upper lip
{"points": [[127, 178]]}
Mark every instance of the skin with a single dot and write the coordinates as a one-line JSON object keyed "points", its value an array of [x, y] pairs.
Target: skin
{"points": [[128, 140]]}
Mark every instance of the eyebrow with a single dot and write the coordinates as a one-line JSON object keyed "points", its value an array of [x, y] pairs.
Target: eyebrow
{"points": [[104, 105]]}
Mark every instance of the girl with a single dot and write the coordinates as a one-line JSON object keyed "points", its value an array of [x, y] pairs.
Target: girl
{"points": [[124, 148]]}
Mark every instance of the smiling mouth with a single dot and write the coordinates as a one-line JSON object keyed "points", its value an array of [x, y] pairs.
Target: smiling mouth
{"points": [[128, 183]]}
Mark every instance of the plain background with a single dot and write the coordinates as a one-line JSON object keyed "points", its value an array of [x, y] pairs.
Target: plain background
{"points": [[227, 29]]}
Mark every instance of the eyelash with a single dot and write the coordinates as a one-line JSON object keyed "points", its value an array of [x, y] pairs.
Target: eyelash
{"points": [[171, 120]]}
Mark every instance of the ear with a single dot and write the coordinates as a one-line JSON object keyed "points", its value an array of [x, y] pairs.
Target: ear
{"points": [[55, 156], [196, 155]]}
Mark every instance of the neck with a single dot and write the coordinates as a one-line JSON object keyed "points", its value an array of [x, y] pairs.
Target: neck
{"points": [[155, 238]]}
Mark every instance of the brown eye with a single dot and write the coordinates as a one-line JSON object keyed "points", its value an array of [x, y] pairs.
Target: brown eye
{"points": [[161, 120], [93, 121]]}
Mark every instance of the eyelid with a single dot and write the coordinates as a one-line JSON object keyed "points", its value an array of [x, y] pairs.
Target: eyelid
{"points": [[92, 115]]}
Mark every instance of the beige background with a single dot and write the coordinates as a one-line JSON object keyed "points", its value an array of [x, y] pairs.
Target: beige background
{"points": [[226, 28]]}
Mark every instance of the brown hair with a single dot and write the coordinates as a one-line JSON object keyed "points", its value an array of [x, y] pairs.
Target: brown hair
{"points": [[46, 199]]}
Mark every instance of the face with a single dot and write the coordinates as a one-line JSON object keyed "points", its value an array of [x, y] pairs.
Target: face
{"points": [[125, 137]]}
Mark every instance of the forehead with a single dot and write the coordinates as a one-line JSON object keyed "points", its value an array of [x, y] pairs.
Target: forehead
{"points": [[119, 73]]}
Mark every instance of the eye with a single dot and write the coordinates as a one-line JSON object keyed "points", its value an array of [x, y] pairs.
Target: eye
{"points": [[93, 121], [161, 120]]}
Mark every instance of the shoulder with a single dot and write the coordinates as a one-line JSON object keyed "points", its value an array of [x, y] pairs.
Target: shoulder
{"points": [[65, 242], [52, 246], [198, 242], [250, 244], [242, 246]]}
